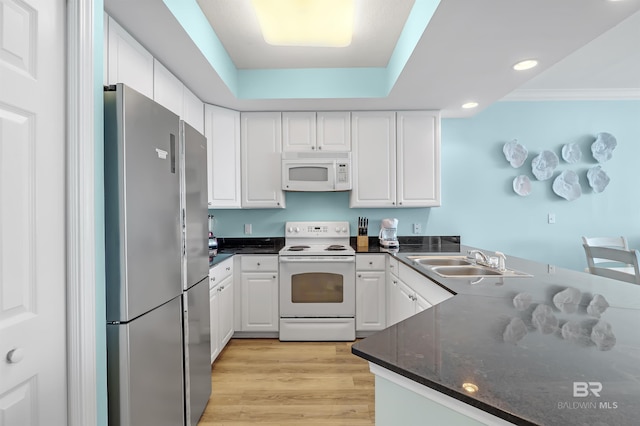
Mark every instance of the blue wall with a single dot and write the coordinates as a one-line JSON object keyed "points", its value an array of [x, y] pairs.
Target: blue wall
{"points": [[478, 201]]}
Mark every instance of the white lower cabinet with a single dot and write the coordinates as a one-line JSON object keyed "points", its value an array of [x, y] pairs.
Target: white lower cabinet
{"points": [[259, 293], [410, 292], [370, 292], [402, 302], [221, 302]]}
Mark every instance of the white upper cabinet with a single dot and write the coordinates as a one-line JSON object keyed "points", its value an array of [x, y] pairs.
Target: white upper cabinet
{"points": [[193, 110], [310, 131], [334, 131], [298, 131], [168, 90], [222, 129], [396, 160], [418, 151], [261, 152], [373, 143], [128, 61]]}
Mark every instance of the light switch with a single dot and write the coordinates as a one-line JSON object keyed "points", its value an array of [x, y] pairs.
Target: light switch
{"points": [[551, 218], [247, 229]]}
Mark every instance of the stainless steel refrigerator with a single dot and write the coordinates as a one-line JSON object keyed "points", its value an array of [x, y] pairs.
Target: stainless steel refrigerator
{"points": [[145, 373], [195, 267]]}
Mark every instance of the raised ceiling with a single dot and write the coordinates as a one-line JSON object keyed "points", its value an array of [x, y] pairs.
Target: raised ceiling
{"points": [[465, 53], [377, 26]]}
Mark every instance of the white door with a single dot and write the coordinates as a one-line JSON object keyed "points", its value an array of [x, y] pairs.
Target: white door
{"points": [[32, 213]]}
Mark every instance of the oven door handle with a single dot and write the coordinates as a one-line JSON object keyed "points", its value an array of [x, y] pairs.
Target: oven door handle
{"points": [[318, 259]]}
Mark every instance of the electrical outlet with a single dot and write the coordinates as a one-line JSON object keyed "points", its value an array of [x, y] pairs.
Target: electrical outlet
{"points": [[551, 269], [551, 218], [247, 229], [417, 228]]}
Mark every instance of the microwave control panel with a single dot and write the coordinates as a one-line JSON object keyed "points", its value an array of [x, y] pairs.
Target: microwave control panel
{"points": [[343, 172]]}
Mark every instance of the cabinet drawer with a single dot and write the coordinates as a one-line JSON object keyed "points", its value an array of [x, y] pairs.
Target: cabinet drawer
{"points": [[219, 272], [370, 262], [393, 265], [422, 285], [259, 263]]}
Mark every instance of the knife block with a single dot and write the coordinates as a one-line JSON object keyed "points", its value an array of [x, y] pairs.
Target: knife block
{"points": [[362, 242]]}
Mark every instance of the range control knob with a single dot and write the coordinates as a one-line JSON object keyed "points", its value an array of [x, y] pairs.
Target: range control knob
{"points": [[297, 229], [337, 229], [344, 229], [290, 229]]}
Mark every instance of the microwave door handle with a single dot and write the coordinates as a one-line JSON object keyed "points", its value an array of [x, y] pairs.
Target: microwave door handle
{"points": [[335, 176]]}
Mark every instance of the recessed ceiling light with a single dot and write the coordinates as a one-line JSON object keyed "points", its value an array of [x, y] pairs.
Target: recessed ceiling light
{"points": [[320, 23], [525, 65], [470, 387], [469, 105]]}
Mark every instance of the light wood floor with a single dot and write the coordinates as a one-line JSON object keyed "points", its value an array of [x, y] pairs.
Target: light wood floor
{"points": [[268, 382]]}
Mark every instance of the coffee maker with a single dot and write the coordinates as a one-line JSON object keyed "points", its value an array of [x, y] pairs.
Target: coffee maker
{"points": [[388, 235]]}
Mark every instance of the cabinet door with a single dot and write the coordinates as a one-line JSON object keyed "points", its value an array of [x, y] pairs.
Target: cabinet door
{"points": [[298, 131], [401, 303], [260, 301], [214, 303], [168, 91], [421, 303], [222, 129], [370, 301], [225, 318], [418, 167], [373, 142], [261, 151], [129, 62], [193, 110], [334, 131]]}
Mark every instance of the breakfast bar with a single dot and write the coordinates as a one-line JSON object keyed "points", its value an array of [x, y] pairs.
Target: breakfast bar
{"points": [[548, 347]]}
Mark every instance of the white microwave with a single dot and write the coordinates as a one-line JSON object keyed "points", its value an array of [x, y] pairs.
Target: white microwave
{"points": [[316, 171]]}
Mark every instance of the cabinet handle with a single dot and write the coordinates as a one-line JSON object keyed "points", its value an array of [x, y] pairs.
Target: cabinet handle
{"points": [[400, 203], [274, 276], [228, 268], [258, 263], [313, 147], [370, 263], [319, 147], [221, 288], [359, 275], [213, 279], [393, 203]]}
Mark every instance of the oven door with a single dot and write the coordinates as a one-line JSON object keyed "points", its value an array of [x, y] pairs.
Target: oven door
{"points": [[317, 286]]}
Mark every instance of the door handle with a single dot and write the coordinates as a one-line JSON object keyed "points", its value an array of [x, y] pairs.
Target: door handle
{"points": [[15, 355]]}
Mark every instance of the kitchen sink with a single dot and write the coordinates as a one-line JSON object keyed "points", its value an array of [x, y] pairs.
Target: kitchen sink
{"points": [[440, 261], [465, 271]]}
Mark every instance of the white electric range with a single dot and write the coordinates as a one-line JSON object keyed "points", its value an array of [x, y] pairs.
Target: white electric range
{"points": [[317, 282]]}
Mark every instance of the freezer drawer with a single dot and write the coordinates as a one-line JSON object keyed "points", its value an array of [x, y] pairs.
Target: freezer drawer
{"points": [[144, 369], [197, 350]]}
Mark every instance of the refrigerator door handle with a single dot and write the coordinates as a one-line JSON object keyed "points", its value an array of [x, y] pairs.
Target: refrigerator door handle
{"points": [[172, 144]]}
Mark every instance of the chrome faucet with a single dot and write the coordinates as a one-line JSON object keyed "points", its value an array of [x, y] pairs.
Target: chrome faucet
{"points": [[502, 261], [484, 260]]}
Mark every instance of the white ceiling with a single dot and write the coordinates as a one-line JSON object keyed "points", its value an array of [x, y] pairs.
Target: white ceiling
{"points": [[465, 54]]}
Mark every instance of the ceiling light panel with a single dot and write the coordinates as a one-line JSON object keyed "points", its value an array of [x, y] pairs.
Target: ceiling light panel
{"points": [[322, 23]]}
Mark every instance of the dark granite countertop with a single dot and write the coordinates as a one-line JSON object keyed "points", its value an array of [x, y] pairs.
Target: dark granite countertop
{"points": [[524, 345], [229, 246]]}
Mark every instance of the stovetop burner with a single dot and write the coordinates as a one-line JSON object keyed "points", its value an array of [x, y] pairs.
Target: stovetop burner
{"points": [[336, 247], [298, 248]]}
